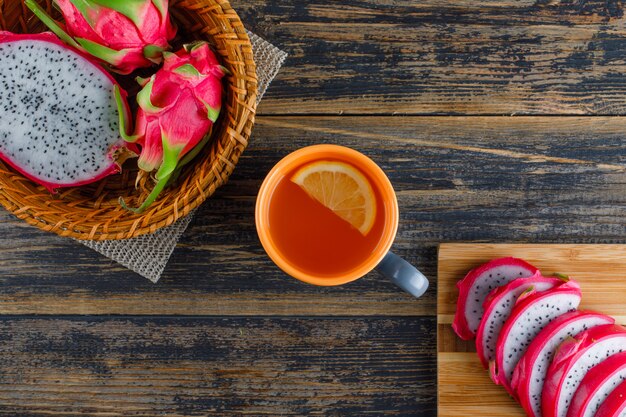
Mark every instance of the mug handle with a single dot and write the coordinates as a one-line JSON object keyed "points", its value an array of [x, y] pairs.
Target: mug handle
{"points": [[403, 274]]}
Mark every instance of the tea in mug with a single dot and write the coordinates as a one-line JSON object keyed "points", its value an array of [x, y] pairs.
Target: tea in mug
{"points": [[326, 217]]}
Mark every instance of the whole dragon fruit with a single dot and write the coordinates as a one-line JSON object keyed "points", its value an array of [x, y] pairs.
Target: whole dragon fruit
{"points": [[177, 108], [58, 118], [127, 34]]}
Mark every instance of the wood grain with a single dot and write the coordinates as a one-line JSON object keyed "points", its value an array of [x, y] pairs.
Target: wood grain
{"points": [[473, 179], [130, 366], [504, 57], [464, 386], [465, 389], [226, 331]]}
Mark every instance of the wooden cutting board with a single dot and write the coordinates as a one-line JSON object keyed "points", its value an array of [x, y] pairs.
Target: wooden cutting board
{"points": [[464, 387]]}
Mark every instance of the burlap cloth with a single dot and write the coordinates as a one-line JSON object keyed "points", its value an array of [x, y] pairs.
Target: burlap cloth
{"points": [[148, 255]]}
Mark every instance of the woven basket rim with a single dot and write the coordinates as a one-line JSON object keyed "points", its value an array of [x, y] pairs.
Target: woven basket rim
{"points": [[96, 218]]}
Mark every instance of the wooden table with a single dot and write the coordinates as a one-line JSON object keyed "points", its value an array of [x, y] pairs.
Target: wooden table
{"points": [[496, 120]]}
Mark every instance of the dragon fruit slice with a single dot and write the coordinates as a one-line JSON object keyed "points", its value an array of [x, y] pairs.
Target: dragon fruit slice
{"points": [[572, 360], [530, 372], [58, 115], [596, 386], [498, 306], [532, 312], [615, 403], [479, 282]]}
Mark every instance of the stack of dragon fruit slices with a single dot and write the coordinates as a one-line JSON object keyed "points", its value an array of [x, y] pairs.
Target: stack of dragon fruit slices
{"points": [[555, 360]]}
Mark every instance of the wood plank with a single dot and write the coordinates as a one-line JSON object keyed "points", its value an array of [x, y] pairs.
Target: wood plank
{"points": [[464, 387], [131, 366], [473, 179], [432, 57]]}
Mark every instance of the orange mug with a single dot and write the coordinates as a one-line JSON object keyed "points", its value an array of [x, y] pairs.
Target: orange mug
{"points": [[381, 258]]}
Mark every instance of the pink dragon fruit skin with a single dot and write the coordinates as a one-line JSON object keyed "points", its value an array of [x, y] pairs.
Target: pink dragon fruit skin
{"points": [[127, 34], [615, 403], [497, 308], [530, 372], [572, 360], [598, 384], [177, 108], [474, 288], [118, 150], [532, 312]]}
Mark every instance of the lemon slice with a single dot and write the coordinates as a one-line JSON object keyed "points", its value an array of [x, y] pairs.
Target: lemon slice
{"points": [[343, 189]]}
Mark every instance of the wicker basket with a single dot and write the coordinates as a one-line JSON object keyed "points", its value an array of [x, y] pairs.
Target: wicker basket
{"points": [[93, 212]]}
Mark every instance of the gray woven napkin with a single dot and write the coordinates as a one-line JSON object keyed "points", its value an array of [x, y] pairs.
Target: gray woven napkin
{"points": [[148, 255]]}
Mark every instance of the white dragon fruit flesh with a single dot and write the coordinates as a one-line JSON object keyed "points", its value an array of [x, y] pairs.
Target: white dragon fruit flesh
{"points": [[573, 359], [530, 372], [532, 312], [59, 123], [498, 306], [479, 282], [597, 385], [615, 403]]}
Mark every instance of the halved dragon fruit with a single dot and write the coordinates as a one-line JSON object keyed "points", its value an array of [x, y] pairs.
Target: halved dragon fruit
{"points": [[59, 124], [530, 372], [498, 306], [479, 282], [597, 385], [532, 312], [572, 360], [615, 403]]}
